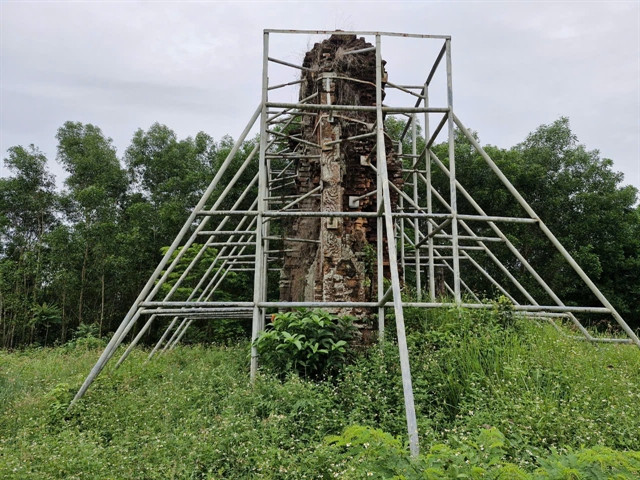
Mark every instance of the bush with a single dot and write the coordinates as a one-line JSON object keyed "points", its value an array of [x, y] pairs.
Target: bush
{"points": [[86, 338], [310, 343]]}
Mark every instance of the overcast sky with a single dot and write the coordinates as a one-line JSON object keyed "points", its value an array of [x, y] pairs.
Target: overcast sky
{"points": [[196, 66]]}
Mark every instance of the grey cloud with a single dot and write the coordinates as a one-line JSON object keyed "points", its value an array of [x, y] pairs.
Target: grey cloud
{"points": [[197, 66]]}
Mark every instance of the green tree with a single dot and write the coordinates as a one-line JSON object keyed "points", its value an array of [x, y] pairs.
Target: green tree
{"points": [[580, 198], [27, 212], [170, 174], [96, 189]]}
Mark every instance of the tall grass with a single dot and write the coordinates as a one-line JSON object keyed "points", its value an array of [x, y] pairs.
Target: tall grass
{"points": [[193, 413]]}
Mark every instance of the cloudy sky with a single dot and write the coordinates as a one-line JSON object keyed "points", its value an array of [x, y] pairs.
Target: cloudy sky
{"points": [[196, 65]]}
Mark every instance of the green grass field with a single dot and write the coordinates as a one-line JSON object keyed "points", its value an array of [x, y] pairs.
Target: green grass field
{"points": [[494, 399]]}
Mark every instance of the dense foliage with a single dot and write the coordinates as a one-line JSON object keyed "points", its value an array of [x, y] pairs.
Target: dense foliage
{"points": [[81, 255], [312, 344], [579, 197], [495, 399]]}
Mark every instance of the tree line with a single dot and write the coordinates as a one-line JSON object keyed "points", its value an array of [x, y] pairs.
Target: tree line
{"points": [[78, 257]]}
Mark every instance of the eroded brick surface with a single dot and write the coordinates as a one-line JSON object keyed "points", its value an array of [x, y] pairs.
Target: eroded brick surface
{"points": [[339, 266]]}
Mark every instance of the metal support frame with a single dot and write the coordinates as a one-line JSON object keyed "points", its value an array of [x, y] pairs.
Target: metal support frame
{"points": [[241, 233]]}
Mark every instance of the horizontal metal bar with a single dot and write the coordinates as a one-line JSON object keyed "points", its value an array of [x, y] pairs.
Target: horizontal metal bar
{"points": [[321, 214], [237, 257], [410, 261], [543, 314], [252, 269], [211, 213], [214, 233], [216, 316], [287, 156], [360, 50], [288, 239], [230, 244], [471, 238], [479, 218], [522, 308], [241, 262], [355, 137], [357, 108], [278, 113], [460, 247], [317, 304], [193, 304], [353, 32], [283, 197], [166, 307]]}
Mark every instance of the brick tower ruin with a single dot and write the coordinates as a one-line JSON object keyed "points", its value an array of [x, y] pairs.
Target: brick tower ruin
{"points": [[335, 262]]}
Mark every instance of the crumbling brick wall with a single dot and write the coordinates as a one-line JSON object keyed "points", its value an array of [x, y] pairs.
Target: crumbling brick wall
{"points": [[330, 260]]}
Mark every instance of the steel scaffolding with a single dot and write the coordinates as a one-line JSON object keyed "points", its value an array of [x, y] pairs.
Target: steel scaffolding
{"points": [[424, 238]]}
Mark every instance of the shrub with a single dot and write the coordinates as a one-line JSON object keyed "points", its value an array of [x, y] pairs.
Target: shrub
{"points": [[310, 343], [86, 330], [86, 338], [58, 400]]}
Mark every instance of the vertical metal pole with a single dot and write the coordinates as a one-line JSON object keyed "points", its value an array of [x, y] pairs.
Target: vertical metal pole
{"points": [[402, 222], [452, 180], [266, 233], [432, 280], [379, 255], [379, 252], [383, 177], [416, 230], [260, 273]]}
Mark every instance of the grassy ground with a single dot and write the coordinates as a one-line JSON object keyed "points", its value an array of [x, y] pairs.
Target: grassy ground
{"points": [[496, 398]]}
